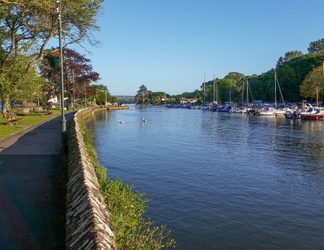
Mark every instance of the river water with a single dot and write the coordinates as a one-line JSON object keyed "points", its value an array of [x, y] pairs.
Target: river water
{"points": [[220, 180]]}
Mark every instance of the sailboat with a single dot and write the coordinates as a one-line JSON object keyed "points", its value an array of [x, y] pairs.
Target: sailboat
{"points": [[215, 92], [245, 105], [282, 109], [204, 105], [270, 110], [215, 106], [228, 105]]}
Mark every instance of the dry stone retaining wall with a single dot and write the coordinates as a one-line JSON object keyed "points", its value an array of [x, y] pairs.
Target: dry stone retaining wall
{"points": [[88, 225]]}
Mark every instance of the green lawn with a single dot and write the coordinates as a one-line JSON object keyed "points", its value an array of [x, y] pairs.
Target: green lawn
{"points": [[6, 131]]}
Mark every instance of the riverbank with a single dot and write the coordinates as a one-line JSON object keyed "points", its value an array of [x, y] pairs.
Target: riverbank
{"points": [[126, 206], [87, 218], [38, 118], [46, 177]]}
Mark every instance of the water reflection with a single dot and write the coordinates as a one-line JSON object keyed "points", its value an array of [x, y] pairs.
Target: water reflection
{"points": [[221, 181]]}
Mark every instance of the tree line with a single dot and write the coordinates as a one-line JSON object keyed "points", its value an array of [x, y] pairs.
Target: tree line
{"points": [[300, 77], [30, 70], [26, 29]]}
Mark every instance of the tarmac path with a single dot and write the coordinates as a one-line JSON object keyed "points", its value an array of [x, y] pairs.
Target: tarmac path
{"points": [[33, 177]]}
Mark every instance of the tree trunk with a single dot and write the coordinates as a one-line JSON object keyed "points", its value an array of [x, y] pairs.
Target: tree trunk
{"points": [[5, 105]]}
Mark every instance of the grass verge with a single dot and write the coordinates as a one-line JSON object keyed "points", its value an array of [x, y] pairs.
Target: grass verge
{"points": [[126, 208], [26, 122]]}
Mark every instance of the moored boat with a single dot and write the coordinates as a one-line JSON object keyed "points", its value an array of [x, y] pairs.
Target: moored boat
{"points": [[268, 111], [241, 110], [293, 115], [312, 114], [281, 112]]}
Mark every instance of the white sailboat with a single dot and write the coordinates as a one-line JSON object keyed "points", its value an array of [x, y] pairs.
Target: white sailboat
{"points": [[204, 105], [245, 104], [274, 111]]}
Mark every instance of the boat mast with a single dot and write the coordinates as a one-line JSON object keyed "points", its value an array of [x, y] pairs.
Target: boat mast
{"points": [[247, 92], [250, 93], [316, 89], [214, 98], [242, 92], [275, 86], [204, 86], [230, 94], [217, 93], [280, 92]]}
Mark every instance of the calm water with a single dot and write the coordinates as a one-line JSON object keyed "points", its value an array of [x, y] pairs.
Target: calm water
{"points": [[218, 180]]}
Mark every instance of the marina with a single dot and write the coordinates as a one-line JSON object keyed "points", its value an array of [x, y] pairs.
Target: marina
{"points": [[220, 180], [291, 111]]}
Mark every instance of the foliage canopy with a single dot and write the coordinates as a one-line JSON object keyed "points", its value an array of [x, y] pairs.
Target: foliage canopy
{"points": [[28, 26]]}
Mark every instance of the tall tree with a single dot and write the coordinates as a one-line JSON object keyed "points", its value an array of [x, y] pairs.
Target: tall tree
{"points": [[102, 94], [313, 84], [78, 75], [28, 26], [32, 24], [15, 82], [288, 56], [142, 95], [316, 47]]}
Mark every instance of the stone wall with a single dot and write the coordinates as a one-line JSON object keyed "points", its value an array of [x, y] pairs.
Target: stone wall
{"points": [[88, 225], [115, 107]]}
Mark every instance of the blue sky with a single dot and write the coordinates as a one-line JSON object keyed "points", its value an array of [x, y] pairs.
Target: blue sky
{"points": [[168, 45]]}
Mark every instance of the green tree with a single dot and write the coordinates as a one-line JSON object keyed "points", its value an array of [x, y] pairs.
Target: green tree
{"points": [[172, 100], [316, 47], [198, 95], [289, 82], [28, 26], [288, 56], [157, 97], [292, 73], [155, 100], [142, 95], [102, 94], [230, 87], [313, 84], [17, 83], [258, 86], [208, 91]]}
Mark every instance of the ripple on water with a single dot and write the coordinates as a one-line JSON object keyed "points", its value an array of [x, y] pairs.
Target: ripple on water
{"points": [[221, 181]]}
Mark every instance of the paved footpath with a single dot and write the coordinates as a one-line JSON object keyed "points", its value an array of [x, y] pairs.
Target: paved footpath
{"points": [[33, 169]]}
